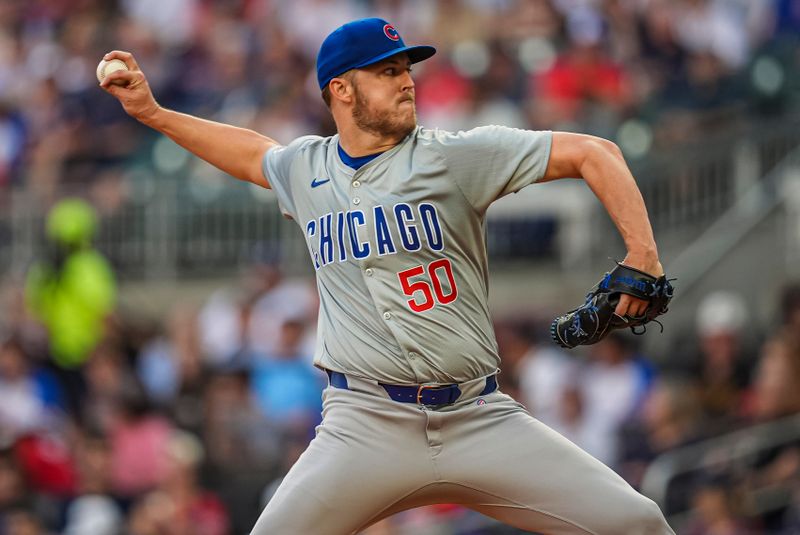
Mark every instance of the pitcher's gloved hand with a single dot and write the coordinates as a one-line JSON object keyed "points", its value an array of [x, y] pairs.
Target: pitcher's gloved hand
{"points": [[592, 321]]}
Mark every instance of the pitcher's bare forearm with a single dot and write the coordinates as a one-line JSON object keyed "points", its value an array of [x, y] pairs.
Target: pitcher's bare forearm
{"points": [[605, 171], [236, 151], [601, 165]]}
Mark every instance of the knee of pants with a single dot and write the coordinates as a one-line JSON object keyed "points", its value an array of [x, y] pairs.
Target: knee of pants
{"points": [[648, 519], [643, 517]]}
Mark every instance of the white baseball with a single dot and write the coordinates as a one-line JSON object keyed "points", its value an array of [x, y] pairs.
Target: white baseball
{"points": [[104, 68]]}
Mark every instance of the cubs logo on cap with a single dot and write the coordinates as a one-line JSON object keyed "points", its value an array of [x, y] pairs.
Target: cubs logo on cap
{"points": [[361, 43], [390, 32]]}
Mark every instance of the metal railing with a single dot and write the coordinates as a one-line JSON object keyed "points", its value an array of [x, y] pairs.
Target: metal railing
{"points": [[169, 235], [688, 187], [735, 454], [188, 226], [729, 229]]}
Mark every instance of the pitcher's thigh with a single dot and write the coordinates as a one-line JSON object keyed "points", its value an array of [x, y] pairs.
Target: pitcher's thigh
{"points": [[357, 466], [533, 478]]}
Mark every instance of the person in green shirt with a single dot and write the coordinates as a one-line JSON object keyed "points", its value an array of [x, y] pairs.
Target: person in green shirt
{"points": [[74, 290]]}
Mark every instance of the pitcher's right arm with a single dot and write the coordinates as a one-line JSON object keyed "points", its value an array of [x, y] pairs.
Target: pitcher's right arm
{"points": [[236, 151]]}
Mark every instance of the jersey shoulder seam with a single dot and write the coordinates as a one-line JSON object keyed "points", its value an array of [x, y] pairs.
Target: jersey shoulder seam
{"points": [[306, 144], [450, 178]]}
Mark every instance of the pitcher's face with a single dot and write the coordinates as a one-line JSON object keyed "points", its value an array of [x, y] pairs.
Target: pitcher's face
{"points": [[384, 97]]}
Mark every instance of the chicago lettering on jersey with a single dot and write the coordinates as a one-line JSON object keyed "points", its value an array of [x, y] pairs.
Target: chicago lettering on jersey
{"points": [[358, 234]]}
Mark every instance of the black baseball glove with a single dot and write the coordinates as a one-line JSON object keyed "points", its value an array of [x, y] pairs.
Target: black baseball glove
{"points": [[592, 321]]}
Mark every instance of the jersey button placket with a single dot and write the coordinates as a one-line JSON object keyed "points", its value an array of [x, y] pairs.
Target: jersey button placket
{"points": [[387, 315]]}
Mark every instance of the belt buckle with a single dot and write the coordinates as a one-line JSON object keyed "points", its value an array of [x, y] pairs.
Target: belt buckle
{"points": [[422, 388]]}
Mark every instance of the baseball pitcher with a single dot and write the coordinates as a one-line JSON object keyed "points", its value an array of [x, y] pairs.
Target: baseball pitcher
{"points": [[394, 218]]}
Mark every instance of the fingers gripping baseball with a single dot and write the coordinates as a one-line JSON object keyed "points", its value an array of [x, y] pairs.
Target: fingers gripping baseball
{"points": [[127, 57], [130, 87]]}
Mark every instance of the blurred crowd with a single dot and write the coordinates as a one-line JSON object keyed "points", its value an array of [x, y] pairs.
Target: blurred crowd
{"points": [[186, 424], [642, 72], [630, 411], [113, 423]]}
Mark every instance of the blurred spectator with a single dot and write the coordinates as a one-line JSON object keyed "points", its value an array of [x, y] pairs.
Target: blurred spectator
{"points": [[776, 388], [304, 18], [237, 437], [672, 417], [614, 367], [12, 144], [30, 398], [582, 77], [73, 291], [714, 27], [790, 523], [222, 324], [514, 339], [790, 308], [416, 17], [243, 450], [13, 488], [47, 464], [179, 506], [107, 380], [224, 318], [195, 510], [788, 17], [93, 515], [287, 389], [493, 102], [22, 522], [721, 363], [172, 370], [93, 456], [17, 322], [445, 99], [537, 19], [139, 444], [284, 300], [171, 21], [547, 377], [237, 323], [151, 515], [715, 511], [776, 395], [460, 20]]}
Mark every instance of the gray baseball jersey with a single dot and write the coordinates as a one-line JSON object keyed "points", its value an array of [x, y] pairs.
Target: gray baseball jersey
{"points": [[400, 252], [399, 247]]}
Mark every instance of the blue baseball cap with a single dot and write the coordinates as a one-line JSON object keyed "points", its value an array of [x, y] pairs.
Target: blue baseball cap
{"points": [[361, 43]]}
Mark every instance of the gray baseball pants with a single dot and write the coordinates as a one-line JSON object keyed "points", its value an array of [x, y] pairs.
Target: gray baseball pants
{"points": [[374, 457]]}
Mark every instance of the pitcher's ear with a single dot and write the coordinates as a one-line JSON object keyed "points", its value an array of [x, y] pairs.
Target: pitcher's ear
{"points": [[342, 88]]}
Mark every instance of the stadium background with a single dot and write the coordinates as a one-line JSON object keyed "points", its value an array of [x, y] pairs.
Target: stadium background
{"points": [[197, 393]]}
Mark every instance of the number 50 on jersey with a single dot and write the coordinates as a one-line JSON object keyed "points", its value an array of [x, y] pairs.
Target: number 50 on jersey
{"points": [[361, 234]]}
